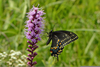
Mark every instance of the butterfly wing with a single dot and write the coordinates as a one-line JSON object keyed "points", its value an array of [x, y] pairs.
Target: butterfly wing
{"points": [[71, 34], [59, 40], [66, 37], [63, 37]]}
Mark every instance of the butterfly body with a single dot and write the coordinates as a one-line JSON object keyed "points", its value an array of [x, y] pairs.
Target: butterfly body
{"points": [[59, 40]]}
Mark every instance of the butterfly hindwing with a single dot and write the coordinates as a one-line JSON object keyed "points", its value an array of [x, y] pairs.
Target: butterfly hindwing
{"points": [[56, 47]]}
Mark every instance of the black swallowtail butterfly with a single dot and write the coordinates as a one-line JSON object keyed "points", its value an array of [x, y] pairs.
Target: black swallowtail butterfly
{"points": [[59, 40]]}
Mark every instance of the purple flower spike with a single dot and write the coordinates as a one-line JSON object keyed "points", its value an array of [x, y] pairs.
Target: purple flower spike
{"points": [[34, 27], [34, 62]]}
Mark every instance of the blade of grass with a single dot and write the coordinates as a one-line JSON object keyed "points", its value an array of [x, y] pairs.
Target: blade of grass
{"points": [[1, 7], [90, 43], [92, 30], [54, 3]]}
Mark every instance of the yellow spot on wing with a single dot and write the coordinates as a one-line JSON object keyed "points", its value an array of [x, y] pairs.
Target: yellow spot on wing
{"points": [[59, 51], [51, 48], [58, 40], [55, 48], [60, 47]]}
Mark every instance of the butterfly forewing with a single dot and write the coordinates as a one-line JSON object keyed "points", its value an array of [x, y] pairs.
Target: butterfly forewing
{"points": [[71, 34], [63, 37]]}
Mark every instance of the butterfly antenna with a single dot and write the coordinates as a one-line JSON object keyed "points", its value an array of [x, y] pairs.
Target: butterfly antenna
{"points": [[53, 27], [47, 32]]}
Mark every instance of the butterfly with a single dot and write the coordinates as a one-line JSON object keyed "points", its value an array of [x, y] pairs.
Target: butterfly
{"points": [[59, 40]]}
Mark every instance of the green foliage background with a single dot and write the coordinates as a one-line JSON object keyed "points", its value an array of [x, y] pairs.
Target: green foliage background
{"points": [[79, 16]]}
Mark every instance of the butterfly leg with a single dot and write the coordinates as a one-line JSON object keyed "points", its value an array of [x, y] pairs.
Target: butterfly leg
{"points": [[57, 58]]}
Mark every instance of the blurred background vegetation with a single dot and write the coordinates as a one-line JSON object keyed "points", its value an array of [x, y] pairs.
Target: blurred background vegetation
{"points": [[79, 16]]}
